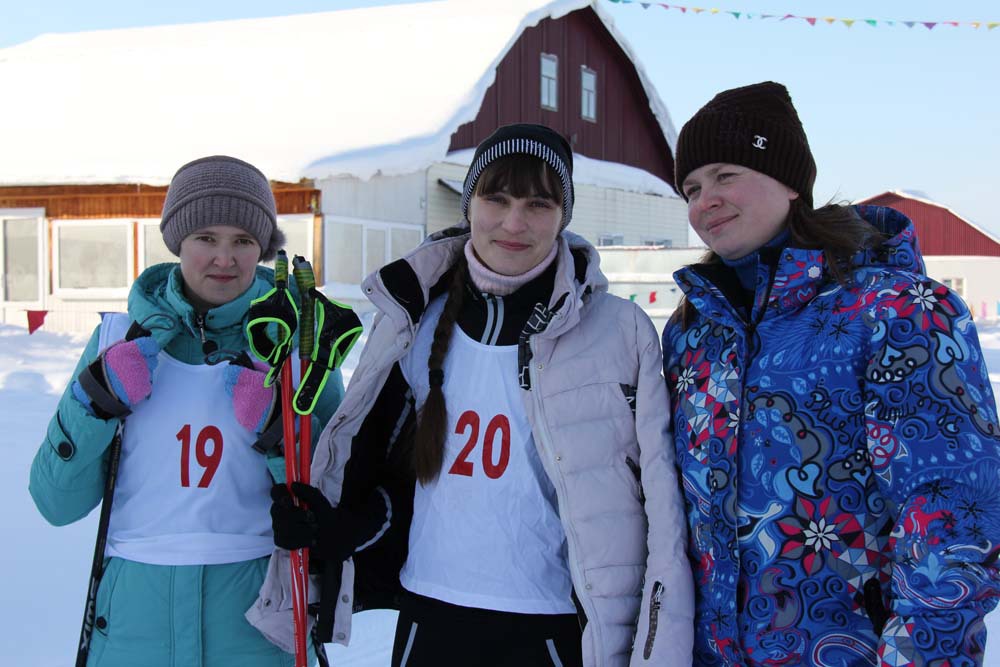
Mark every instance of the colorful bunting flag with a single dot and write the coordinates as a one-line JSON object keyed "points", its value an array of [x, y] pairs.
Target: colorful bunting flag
{"points": [[36, 318], [652, 297], [812, 20]]}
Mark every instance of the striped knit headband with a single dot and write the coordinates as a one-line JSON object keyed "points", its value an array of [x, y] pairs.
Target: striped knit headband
{"points": [[537, 140]]}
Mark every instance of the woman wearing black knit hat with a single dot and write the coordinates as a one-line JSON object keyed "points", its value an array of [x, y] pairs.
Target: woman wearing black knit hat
{"points": [[832, 415], [483, 472]]}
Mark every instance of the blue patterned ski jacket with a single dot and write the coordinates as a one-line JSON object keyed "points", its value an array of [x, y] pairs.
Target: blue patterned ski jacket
{"points": [[841, 463]]}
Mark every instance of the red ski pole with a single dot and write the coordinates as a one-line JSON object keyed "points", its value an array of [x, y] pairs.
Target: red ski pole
{"points": [[300, 583], [306, 282]]}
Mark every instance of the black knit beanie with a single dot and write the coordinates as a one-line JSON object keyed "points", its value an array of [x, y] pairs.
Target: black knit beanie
{"points": [[754, 126], [221, 190], [538, 140]]}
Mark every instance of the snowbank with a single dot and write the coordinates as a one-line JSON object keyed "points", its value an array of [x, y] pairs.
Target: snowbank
{"points": [[47, 568]]}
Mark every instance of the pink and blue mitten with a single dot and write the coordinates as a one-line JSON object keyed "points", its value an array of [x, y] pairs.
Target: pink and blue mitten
{"points": [[119, 378], [253, 403]]}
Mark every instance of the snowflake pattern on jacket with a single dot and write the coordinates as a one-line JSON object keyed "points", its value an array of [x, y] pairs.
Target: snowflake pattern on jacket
{"points": [[841, 463]]}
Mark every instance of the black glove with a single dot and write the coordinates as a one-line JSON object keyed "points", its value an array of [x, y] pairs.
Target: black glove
{"points": [[330, 533]]}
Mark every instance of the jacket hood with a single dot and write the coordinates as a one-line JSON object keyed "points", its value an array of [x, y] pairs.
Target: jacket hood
{"points": [[901, 250]]}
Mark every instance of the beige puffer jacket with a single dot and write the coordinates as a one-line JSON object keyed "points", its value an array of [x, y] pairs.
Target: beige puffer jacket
{"points": [[596, 352]]}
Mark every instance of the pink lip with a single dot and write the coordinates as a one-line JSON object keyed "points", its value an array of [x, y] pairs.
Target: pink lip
{"points": [[224, 279], [716, 224], [512, 245]]}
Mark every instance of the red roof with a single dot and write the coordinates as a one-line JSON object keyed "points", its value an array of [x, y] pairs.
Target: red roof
{"points": [[940, 231]]}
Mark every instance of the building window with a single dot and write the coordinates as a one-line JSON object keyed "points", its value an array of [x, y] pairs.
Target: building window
{"points": [[21, 254], [152, 249], [298, 229], [956, 285], [358, 247], [550, 82], [607, 239], [588, 94], [659, 243], [92, 258]]}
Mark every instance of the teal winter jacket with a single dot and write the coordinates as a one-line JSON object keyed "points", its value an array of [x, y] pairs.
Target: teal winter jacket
{"points": [[159, 615]]}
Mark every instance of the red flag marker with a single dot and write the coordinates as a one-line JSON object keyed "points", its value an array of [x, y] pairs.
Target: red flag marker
{"points": [[36, 318]]}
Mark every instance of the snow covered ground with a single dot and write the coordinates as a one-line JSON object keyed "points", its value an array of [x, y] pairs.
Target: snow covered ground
{"points": [[46, 568]]}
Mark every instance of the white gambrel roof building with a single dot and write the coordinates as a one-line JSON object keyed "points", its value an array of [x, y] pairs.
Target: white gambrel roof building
{"points": [[352, 92]]}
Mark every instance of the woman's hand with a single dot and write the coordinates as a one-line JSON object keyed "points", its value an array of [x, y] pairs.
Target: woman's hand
{"points": [[254, 404], [119, 378], [328, 532]]}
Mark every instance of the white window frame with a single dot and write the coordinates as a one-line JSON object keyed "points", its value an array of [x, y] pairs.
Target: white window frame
{"points": [[144, 224], [554, 88], [608, 239], [308, 219], [38, 214], [93, 292], [584, 71], [956, 284], [310, 252], [350, 290]]}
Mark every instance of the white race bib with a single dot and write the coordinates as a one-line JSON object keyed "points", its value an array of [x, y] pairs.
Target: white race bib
{"points": [[191, 489], [486, 533]]}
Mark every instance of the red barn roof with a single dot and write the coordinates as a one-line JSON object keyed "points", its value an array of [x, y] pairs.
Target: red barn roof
{"points": [[940, 231]]}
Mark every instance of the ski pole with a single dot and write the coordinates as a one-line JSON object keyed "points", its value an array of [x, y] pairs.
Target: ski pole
{"points": [[306, 282], [277, 309], [97, 567], [300, 584]]}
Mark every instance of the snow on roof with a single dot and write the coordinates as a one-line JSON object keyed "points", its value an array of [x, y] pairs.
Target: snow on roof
{"points": [[589, 171], [350, 92]]}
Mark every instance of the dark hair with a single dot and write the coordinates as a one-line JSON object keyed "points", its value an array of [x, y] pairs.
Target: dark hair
{"points": [[432, 423], [836, 229], [520, 175]]}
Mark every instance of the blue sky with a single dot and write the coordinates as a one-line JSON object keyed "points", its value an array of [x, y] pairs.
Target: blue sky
{"points": [[884, 107]]}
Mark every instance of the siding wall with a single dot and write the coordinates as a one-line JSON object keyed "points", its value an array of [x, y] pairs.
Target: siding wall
{"points": [[127, 201], [982, 289], [939, 231], [383, 198], [626, 130]]}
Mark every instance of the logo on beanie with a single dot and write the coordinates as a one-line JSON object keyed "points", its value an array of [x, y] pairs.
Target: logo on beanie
{"points": [[760, 142]]}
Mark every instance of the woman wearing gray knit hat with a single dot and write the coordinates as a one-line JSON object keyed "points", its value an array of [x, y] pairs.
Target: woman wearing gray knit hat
{"points": [[483, 474], [189, 537], [832, 415]]}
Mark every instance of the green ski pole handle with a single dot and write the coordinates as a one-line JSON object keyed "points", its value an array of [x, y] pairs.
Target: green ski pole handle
{"points": [[275, 311], [338, 329], [306, 282]]}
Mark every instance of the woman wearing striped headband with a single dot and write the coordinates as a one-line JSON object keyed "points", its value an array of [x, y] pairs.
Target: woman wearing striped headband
{"points": [[483, 473]]}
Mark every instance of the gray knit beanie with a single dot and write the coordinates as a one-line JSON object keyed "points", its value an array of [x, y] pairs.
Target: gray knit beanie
{"points": [[221, 190]]}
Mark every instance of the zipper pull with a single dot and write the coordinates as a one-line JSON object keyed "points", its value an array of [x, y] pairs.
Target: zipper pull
{"points": [[207, 346], [199, 321], [655, 600]]}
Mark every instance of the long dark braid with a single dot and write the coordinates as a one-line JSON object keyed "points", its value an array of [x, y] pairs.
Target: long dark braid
{"points": [[432, 424]]}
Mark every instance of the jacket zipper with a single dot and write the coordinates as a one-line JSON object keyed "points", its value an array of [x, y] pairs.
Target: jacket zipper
{"points": [[544, 441], [199, 321], [655, 600]]}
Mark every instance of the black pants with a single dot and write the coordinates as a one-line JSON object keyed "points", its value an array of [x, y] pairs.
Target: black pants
{"points": [[431, 633]]}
